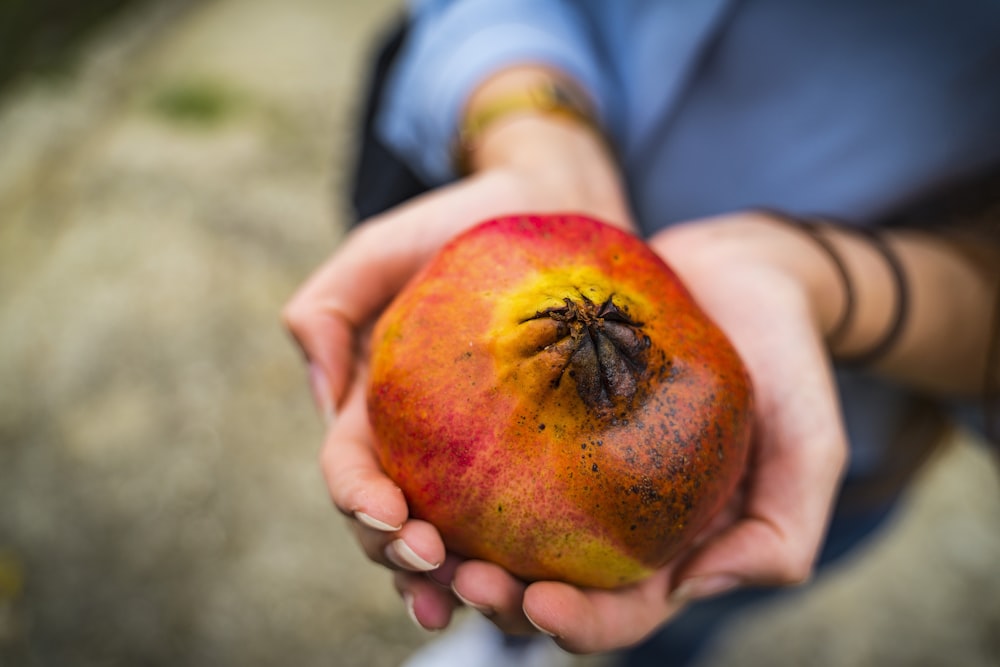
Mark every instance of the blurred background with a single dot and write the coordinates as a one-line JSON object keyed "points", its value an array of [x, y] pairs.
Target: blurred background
{"points": [[170, 171]]}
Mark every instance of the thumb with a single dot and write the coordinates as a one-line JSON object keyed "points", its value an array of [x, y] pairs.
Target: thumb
{"points": [[326, 339]]}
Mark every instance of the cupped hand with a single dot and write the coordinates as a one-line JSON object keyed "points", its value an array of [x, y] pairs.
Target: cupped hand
{"points": [[736, 268], [746, 272], [762, 283], [330, 317]]}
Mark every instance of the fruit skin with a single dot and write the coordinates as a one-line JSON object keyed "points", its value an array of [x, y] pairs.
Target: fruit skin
{"points": [[495, 439]]}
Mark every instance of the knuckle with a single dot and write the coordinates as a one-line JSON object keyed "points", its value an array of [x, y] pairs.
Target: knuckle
{"points": [[795, 570], [324, 457], [837, 456], [293, 316]]}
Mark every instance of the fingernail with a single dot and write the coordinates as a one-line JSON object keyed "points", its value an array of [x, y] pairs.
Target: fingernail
{"points": [[698, 588], [401, 555], [321, 393], [372, 522], [410, 611], [440, 577], [538, 627], [483, 609]]}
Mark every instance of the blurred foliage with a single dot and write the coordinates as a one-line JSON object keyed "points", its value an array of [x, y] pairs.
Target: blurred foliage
{"points": [[11, 576], [197, 102], [42, 36]]}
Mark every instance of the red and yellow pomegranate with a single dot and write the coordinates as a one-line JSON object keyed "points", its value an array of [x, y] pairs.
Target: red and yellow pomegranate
{"points": [[549, 396]]}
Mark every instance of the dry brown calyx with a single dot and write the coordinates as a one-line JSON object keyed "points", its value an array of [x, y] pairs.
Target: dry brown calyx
{"points": [[607, 353]]}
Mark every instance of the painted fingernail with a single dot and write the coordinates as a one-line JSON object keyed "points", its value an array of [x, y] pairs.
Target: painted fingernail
{"points": [[321, 393], [483, 609], [401, 555], [698, 588], [540, 628], [372, 522]]}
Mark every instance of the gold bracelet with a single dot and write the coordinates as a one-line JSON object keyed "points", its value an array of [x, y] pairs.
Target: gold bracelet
{"points": [[548, 97]]}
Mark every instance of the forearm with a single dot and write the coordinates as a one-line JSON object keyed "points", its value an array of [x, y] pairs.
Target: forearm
{"points": [[565, 160], [948, 324]]}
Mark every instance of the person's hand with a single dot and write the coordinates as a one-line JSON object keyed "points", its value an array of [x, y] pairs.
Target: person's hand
{"points": [[332, 313], [744, 271], [778, 296], [798, 455]]}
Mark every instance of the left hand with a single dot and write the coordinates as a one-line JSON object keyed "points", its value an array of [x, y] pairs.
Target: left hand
{"points": [[331, 316]]}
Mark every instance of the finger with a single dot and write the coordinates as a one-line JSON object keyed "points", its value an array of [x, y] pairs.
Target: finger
{"points": [[374, 262], [416, 547], [326, 337], [444, 574], [429, 606], [370, 266], [793, 477], [493, 592], [354, 477], [326, 314], [594, 620], [776, 541]]}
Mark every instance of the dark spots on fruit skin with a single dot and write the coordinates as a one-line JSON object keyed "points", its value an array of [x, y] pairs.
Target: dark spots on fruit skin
{"points": [[593, 467], [629, 456], [541, 427], [654, 454], [645, 489]]}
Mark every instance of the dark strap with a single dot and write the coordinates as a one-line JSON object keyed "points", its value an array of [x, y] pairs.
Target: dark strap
{"points": [[380, 179]]}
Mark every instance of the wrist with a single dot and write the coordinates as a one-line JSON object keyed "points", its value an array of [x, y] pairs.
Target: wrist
{"points": [[758, 241], [918, 292], [559, 151], [869, 280], [562, 164], [519, 92]]}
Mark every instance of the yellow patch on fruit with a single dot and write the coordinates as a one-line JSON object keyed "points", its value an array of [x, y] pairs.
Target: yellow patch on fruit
{"points": [[591, 561], [548, 289]]}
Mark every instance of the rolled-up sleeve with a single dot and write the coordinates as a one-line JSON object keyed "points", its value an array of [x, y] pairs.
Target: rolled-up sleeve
{"points": [[452, 46]]}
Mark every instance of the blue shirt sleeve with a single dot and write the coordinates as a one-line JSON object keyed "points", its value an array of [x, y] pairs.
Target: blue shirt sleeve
{"points": [[844, 109], [453, 46]]}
